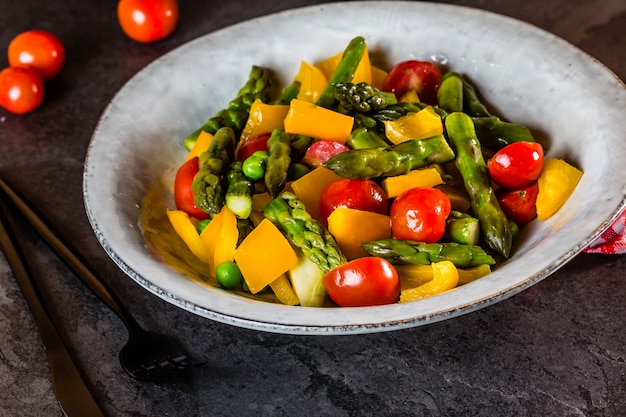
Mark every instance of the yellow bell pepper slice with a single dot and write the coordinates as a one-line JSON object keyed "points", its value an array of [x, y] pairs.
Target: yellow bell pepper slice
{"points": [[472, 274], [186, 229], [318, 122], [309, 187], [426, 177], [219, 238], [202, 144], [312, 82], [378, 75], [445, 277], [363, 71], [347, 227], [264, 255], [263, 118], [419, 125], [557, 182], [284, 291]]}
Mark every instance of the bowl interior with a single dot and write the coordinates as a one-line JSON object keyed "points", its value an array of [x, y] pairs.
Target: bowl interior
{"points": [[526, 75]]}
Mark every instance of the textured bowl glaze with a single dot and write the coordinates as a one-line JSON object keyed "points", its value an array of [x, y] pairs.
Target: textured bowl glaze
{"points": [[529, 76]]}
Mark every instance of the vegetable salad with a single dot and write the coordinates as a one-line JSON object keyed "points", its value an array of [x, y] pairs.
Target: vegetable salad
{"points": [[359, 186]]}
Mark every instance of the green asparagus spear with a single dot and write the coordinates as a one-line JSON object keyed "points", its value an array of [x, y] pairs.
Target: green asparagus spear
{"points": [[289, 93], [279, 150], [390, 161], [495, 134], [363, 138], [236, 114], [299, 145], [361, 97], [407, 252], [288, 213], [450, 92], [471, 103], [239, 190], [494, 224], [207, 185], [344, 73], [462, 228]]}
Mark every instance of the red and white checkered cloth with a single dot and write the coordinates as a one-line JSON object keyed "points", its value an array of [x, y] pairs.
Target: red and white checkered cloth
{"points": [[612, 240]]}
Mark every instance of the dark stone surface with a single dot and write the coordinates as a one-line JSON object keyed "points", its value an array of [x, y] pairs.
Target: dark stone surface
{"points": [[557, 349]]}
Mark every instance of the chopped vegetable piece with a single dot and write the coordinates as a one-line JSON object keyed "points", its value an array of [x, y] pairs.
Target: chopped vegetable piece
{"points": [[306, 278], [426, 177], [202, 144], [312, 82], [419, 125], [556, 183], [284, 291], [264, 255], [184, 227], [347, 227], [472, 274], [312, 120], [263, 119], [226, 238], [445, 277], [309, 188], [412, 276]]}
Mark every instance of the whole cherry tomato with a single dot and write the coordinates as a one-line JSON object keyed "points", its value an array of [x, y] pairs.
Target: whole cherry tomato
{"points": [[321, 151], [516, 165], [357, 194], [420, 214], [251, 145], [21, 90], [147, 20], [38, 50], [423, 77], [519, 205], [183, 193], [365, 281]]}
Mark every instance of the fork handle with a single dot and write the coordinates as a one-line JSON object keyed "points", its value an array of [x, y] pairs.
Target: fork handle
{"points": [[69, 255]]}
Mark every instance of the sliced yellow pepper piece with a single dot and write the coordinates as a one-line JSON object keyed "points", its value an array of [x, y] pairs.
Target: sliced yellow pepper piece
{"points": [[312, 82], [419, 125], [427, 177], [201, 145], [309, 187], [284, 291], [445, 277], [347, 227], [318, 122], [263, 118], [188, 232], [472, 274], [557, 182]]}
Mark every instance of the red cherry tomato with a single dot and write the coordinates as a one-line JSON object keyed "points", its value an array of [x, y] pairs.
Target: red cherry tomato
{"points": [[363, 195], [21, 90], [251, 145], [516, 165], [183, 193], [321, 151], [368, 281], [420, 214], [423, 77], [147, 20], [38, 50], [519, 205]]}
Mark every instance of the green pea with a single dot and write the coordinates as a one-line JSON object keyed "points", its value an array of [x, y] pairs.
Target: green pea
{"points": [[202, 224], [254, 166], [228, 275]]}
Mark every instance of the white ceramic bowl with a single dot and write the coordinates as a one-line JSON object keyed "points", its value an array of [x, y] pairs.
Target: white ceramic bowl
{"points": [[531, 77]]}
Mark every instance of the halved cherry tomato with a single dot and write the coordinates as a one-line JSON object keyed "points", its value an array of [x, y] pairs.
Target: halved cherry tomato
{"points": [[420, 214], [359, 194], [519, 205], [365, 281], [38, 50], [321, 151], [516, 165], [21, 90], [423, 77], [183, 193], [147, 20], [251, 145]]}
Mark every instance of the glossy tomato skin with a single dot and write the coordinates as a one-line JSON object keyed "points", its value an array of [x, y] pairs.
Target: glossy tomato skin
{"points": [[420, 214], [358, 194], [321, 151], [183, 193], [21, 90], [368, 281], [516, 165], [519, 205], [422, 77], [38, 50], [147, 20], [251, 145]]}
